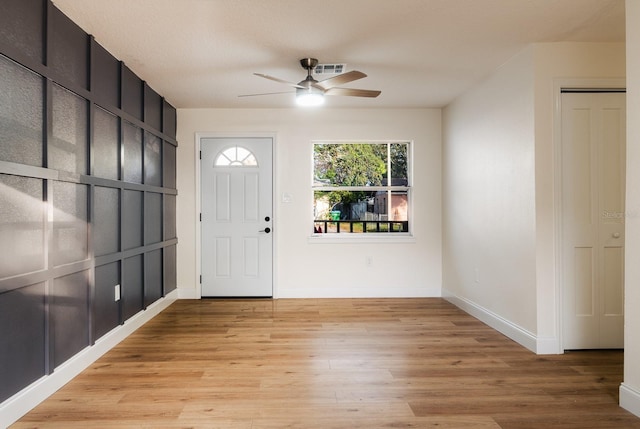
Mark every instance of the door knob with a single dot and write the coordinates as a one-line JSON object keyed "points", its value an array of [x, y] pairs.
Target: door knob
{"points": [[616, 235], [267, 230]]}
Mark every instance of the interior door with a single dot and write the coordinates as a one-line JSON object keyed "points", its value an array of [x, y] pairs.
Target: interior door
{"points": [[593, 189], [237, 218]]}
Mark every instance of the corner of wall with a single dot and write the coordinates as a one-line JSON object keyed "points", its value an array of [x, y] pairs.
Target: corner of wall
{"points": [[630, 388], [188, 293], [630, 399], [538, 345]]}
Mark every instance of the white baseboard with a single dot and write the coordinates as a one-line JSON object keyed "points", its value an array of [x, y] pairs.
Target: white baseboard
{"points": [[504, 326], [28, 398], [548, 346], [630, 399], [184, 293]]}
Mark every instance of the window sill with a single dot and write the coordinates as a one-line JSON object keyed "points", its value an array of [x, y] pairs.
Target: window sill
{"points": [[361, 238]]}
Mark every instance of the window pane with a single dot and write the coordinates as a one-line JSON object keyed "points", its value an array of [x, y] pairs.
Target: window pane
{"points": [[360, 205], [360, 211], [236, 156], [242, 152], [21, 112], [68, 148], [350, 164], [399, 164], [377, 178]]}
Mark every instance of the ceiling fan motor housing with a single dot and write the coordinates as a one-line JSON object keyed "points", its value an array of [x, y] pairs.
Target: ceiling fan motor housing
{"points": [[308, 63]]}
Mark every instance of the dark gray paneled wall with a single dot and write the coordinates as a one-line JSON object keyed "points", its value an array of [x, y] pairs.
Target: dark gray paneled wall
{"points": [[87, 192]]}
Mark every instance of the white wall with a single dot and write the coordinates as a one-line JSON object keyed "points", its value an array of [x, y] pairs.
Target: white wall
{"points": [[488, 196], [630, 390], [498, 176], [304, 268], [581, 64]]}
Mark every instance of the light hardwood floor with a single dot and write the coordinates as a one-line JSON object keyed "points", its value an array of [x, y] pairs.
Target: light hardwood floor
{"points": [[333, 363]]}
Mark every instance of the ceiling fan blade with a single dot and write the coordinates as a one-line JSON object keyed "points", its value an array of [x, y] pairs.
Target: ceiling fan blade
{"points": [[343, 78], [353, 92], [266, 93], [286, 82]]}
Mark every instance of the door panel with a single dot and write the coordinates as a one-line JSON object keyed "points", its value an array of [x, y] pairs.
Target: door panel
{"points": [[583, 281], [236, 184], [593, 171], [222, 197], [251, 256], [613, 294], [223, 257], [251, 197]]}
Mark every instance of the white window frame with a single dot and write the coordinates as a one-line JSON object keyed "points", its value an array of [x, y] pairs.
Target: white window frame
{"points": [[248, 161], [369, 237]]}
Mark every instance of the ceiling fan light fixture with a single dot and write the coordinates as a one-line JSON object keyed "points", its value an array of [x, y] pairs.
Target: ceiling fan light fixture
{"points": [[309, 98], [310, 92]]}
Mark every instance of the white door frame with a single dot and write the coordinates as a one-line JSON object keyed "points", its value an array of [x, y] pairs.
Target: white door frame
{"points": [[198, 261], [558, 86]]}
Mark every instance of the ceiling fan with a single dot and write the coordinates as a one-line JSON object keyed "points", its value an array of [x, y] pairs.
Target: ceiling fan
{"points": [[310, 92]]}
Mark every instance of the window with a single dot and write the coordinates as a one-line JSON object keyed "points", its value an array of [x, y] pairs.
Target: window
{"points": [[361, 187], [236, 156]]}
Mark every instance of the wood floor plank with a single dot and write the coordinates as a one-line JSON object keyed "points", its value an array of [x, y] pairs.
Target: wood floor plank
{"points": [[333, 364], [473, 422]]}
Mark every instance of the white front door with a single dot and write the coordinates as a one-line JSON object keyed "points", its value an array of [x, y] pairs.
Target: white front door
{"points": [[237, 217], [593, 189]]}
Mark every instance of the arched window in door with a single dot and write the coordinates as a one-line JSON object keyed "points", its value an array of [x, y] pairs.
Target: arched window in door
{"points": [[236, 156]]}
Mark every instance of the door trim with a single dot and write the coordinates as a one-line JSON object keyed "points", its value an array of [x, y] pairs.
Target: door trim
{"points": [[198, 244], [558, 86]]}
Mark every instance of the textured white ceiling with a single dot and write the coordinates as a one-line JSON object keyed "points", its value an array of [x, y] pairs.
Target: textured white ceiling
{"points": [[419, 53]]}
